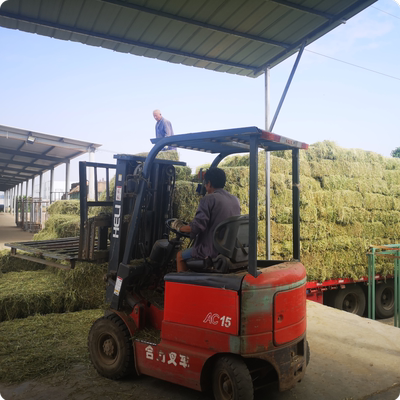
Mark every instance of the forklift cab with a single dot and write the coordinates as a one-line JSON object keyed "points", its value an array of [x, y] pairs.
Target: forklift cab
{"points": [[237, 324]]}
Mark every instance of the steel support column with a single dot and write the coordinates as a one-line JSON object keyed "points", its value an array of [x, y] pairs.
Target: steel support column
{"points": [[51, 183], [296, 63], [91, 176], [40, 198], [67, 179], [253, 203], [296, 203], [267, 174]]}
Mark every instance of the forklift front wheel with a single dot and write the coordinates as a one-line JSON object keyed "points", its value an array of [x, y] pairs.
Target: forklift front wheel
{"points": [[110, 347], [232, 379]]}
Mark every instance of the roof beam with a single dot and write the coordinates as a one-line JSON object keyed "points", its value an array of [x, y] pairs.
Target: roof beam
{"points": [[24, 164], [5, 168], [8, 180], [302, 8], [117, 39], [35, 156], [196, 23], [12, 133]]}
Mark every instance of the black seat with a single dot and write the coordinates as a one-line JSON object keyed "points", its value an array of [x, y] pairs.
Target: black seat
{"points": [[231, 240]]}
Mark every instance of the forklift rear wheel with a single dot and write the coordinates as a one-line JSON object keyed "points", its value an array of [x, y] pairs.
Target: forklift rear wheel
{"points": [[384, 300], [232, 379], [350, 299], [110, 347]]}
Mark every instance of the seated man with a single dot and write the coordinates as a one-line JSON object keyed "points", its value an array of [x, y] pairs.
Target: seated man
{"points": [[216, 206]]}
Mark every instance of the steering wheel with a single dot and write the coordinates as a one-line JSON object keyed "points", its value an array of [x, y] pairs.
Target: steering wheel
{"points": [[168, 223]]}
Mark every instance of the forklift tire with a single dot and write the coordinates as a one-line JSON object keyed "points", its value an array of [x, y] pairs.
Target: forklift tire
{"points": [[308, 353], [384, 300], [232, 379], [110, 347], [350, 299]]}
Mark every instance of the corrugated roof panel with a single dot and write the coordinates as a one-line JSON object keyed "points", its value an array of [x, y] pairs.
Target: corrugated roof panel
{"points": [[50, 11], [213, 31], [106, 18], [70, 12], [88, 14], [122, 23]]}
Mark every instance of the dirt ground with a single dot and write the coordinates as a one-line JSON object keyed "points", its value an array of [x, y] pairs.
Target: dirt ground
{"points": [[352, 358]]}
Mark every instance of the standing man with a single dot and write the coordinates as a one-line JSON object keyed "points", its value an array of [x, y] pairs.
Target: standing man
{"points": [[216, 206], [163, 127]]}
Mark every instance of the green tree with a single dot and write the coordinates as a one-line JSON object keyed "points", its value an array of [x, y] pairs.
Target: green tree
{"points": [[396, 152]]}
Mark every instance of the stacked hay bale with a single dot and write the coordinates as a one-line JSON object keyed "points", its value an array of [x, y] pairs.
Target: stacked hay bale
{"points": [[349, 200], [63, 221]]}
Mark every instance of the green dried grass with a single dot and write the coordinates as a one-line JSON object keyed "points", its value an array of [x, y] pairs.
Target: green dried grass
{"points": [[12, 264], [349, 199], [43, 344], [71, 207], [28, 293], [84, 286], [59, 226]]}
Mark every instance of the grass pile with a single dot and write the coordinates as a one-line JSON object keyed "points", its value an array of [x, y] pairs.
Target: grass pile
{"points": [[27, 287], [42, 344], [8, 264], [28, 293], [349, 200], [63, 221]]}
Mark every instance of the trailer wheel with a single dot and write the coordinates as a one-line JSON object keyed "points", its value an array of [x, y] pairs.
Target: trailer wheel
{"points": [[350, 299], [384, 300], [110, 347], [232, 380]]}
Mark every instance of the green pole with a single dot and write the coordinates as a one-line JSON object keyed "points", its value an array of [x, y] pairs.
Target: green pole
{"points": [[371, 285], [397, 290]]}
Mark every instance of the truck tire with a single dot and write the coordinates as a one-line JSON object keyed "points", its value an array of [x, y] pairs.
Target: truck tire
{"points": [[350, 299], [110, 347], [384, 300], [232, 380]]}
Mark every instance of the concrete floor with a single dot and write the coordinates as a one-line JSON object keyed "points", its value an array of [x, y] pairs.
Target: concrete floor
{"points": [[9, 232]]}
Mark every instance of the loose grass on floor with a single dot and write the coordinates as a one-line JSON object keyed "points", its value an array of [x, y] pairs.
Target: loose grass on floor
{"points": [[39, 345]]}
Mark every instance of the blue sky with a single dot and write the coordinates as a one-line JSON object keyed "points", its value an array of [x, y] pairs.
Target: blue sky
{"points": [[93, 94]]}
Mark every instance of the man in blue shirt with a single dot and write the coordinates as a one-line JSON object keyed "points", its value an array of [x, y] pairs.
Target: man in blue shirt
{"points": [[163, 128]]}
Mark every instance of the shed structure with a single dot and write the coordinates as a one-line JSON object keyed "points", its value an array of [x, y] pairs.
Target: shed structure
{"points": [[26, 155], [243, 37]]}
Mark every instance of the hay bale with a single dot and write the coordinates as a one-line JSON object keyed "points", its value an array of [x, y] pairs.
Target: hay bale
{"points": [[83, 286], [171, 155], [70, 207], [59, 226], [12, 264], [186, 200], [374, 201], [30, 292], [183, 173], [40, 345]]}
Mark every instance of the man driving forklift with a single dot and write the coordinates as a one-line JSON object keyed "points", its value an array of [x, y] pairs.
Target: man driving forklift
{"points": [[215, 207]]}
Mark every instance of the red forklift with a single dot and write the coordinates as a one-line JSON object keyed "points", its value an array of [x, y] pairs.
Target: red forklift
{"points": [[230, 326]]}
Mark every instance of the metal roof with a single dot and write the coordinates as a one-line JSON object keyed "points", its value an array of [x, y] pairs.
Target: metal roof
{"points": [[236, 36], [229, 141], [26, 154]]}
